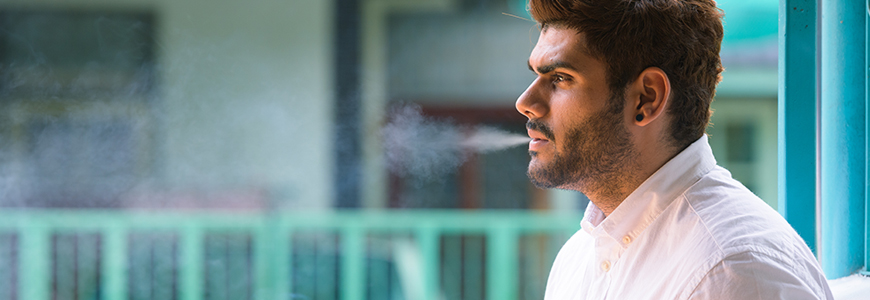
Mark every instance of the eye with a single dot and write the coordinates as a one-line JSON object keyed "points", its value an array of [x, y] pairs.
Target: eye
{"points": [[560, 78]]}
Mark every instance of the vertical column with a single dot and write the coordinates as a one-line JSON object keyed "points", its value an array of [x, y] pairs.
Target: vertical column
{"points": [[115, 258], [283, 267], [797, 117], [427, 240], [268, 253], [347, 142], [191, 266], [272, 251], [34, 267], [502, 263], [867, 148], [263, 252], [352, 264], [842, 136]]}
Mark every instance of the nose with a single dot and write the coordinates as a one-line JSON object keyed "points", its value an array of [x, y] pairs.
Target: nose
{"points": [[532, 103]]}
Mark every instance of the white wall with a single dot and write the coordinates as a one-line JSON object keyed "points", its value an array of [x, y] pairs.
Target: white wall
{"points": [[247, 99]]}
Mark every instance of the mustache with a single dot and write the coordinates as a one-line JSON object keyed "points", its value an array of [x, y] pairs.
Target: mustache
{"points": [[540, 127]]}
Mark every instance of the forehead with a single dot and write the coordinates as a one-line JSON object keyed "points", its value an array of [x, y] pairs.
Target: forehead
{"points": [[559, 44]]}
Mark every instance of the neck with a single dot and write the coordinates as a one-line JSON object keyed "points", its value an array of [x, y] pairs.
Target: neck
{"points": [[608, 191]]}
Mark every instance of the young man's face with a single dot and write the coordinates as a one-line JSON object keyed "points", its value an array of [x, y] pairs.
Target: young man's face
{"points": [[578, 126]]}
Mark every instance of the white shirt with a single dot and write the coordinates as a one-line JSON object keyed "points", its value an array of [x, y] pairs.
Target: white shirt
{"points": [[689, 231]]}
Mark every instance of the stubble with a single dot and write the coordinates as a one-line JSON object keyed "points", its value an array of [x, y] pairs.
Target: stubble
{"points": [[593, 156]]}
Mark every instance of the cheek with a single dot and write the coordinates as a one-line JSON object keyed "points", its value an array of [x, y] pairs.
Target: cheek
{"points": [[565, 135], [574, 107], [567, 119], [569, 110]]}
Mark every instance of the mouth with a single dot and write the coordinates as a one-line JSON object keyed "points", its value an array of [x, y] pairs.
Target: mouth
{"points": [[541, 135], [538, 142]]}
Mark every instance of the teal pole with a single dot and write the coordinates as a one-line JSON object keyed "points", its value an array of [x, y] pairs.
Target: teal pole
{"points": [[267, 244], [192, 252], [867, 129], [502, 263], [34, 266], [352, 263], [114, 266], [842, 139], [797, 117], [428, 240]]}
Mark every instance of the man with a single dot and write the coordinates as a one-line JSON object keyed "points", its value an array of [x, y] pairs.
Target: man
{"points": [[618, 111]]}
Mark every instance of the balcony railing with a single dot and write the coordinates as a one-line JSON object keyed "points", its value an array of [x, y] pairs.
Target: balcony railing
{"points": [[348, 255]]}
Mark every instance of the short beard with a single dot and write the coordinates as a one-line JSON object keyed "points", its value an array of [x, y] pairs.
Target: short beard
{"points": [[597, 151]]}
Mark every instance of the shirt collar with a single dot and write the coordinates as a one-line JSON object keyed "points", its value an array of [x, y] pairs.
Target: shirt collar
{"points": [[645, 204]]}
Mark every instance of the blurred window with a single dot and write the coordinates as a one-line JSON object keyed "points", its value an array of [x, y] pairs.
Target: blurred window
{"points": [[743, 138], [65, 53], [75, 90]]}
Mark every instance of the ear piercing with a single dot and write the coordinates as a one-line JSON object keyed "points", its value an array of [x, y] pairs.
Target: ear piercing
{"points": [[639, 117]]}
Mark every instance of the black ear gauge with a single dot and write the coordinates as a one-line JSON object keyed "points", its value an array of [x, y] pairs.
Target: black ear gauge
{"points": [[639, 117]]}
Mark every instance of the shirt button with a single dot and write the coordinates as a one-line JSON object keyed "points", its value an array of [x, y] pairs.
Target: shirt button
{"points": [[605, 265], [626, 240]]}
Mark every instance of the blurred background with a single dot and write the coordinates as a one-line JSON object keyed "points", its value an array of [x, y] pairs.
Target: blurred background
{"points": [[156, 149]]}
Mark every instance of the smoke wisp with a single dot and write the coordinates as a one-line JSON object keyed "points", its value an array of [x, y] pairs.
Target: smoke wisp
{"points": [[421, 147]]}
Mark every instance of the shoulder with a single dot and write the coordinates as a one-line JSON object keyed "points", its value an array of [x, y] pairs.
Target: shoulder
{"points": [[733, 216], [755, 274], [762, 256]]}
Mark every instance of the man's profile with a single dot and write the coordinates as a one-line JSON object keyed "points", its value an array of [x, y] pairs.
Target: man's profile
{"points": [[618, 111]]}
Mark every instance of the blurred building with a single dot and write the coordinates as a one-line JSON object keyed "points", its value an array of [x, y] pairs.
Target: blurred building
{"points": [[278, 104]]}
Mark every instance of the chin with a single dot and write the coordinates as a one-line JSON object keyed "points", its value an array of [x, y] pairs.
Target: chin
{"points": [[536, 165], [542, 184], [536, 174]]}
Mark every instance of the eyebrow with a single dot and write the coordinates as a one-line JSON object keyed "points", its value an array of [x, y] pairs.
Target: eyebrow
{"points": [[550, 67]]}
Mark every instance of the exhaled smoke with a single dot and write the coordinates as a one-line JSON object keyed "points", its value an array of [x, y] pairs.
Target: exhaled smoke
{"points": [[423, 147]]}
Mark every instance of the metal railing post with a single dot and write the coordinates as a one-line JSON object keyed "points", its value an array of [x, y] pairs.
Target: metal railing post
{"points": [[191, 268], [797, 117], [842, 137], [34, 266], [267, 244], [502, 263], [427, 239], [866, 270], [352, 263], [283, 268], [115, 258]]}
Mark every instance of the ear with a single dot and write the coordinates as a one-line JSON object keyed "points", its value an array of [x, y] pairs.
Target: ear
{"points": [[651, 92]]}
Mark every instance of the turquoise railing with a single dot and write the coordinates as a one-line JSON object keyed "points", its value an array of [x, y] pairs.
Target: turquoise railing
{"points": [[496, 252]]}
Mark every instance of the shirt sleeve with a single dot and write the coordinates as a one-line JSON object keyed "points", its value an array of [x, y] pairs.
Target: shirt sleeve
{"points": [[749, 275]]}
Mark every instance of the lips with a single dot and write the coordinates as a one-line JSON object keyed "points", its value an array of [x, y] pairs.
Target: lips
{"points": [[539, 132], [538, 140]]}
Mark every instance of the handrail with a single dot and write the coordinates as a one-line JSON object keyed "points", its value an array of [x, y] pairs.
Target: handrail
{"points": [[272, 249]]}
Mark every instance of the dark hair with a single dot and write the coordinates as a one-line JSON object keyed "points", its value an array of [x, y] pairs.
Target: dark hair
{"points": [[681, 37]]}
